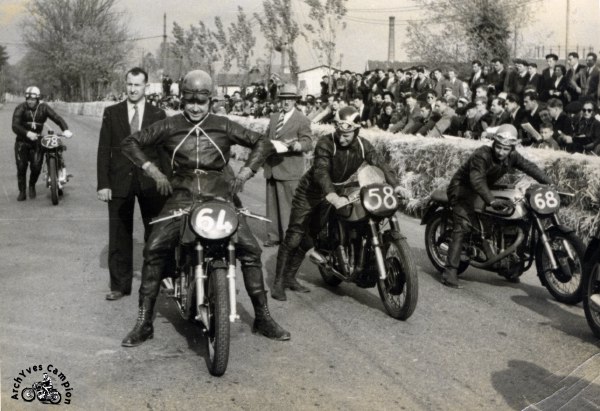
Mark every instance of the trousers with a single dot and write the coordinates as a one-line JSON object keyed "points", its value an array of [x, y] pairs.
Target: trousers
{"points": [[28, 154]]}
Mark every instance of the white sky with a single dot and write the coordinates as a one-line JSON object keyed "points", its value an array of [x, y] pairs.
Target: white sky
{"points": [[359, 42]]}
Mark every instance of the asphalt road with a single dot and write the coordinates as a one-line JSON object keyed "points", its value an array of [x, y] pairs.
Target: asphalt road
{"points": [[492, 345]]}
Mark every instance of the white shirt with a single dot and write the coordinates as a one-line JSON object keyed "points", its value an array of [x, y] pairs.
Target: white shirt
{"points": [[140, 108]]}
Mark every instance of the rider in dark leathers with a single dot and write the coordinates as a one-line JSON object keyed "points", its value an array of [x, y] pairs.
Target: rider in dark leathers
{"points": [[28, 123], [199, 146], [337, 157], [485, 166]]}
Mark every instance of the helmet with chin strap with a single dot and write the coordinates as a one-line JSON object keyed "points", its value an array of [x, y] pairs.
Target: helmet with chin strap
{"points": [[197, 85], [506, 135], [32, 92], [346, 120]]}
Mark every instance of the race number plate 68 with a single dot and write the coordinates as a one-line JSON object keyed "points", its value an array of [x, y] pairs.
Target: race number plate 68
{"points": [[544, 200], [379, 199]]}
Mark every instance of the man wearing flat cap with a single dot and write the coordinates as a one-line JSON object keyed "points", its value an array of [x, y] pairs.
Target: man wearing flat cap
{"points": [[283, 170]]}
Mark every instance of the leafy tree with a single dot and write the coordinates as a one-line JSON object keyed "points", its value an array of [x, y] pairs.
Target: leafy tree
{"points": [[238, 43], [462, 30], [73, 44], [195, 48], [3, 57], [280, 29]]}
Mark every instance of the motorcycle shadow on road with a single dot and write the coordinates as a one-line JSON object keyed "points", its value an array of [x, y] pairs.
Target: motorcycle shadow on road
{"points": [[527, 386]]}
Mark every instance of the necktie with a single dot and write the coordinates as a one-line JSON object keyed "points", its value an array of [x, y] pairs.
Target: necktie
{"points": [[279, 125], [135, 120]]}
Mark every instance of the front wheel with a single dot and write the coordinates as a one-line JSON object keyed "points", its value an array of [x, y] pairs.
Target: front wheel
{"points": [[565, 283], [28, 394], [591, 286], [55, 397], [438, 235], [53, 173], [399, 292], [218, 317]]}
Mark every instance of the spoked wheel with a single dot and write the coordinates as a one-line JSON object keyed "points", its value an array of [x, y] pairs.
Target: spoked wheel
{"points": [[438, 235], [28, 394], [400, 290], [53, 172], [55, 397], [218, 318], [591, 286], [565, 283]]}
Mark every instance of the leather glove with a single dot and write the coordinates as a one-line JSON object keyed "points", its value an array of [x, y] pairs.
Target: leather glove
{"points": [[162, 182], [501, 204], [336, 201], [237, 185], [401, 192], [295, 147], [67, 134], [31, 135]]}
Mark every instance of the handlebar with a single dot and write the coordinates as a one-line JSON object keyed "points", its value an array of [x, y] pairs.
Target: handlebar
{"points": [[184, 211]]}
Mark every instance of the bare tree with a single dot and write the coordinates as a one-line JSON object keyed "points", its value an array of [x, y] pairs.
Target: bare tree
{"points": [[75, 42]]}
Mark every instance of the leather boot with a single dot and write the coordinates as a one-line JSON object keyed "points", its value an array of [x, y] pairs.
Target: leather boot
{"points": [[22, 196], [31, 191], [263, 322], [292, 272], [278, 288], [143, 329], [449, 278]]}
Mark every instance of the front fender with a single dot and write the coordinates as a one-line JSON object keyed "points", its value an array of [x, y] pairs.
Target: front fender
{"points": [[432, 208]]}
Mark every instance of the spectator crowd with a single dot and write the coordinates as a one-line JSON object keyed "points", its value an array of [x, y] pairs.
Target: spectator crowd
{"points": [[552, 107]]}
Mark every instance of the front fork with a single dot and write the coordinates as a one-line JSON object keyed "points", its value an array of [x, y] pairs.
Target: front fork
{"points": [[377, 247], [231, 281], [546, 242]]}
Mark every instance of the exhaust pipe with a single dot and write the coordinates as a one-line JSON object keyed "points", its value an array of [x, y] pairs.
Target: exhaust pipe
{"points": [[320, 260]]}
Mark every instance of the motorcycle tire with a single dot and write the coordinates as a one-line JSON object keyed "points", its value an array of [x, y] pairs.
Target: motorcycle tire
{"points": [[434, 241], [53, 172], [591, 285], [28, 394], [55, 397], [399, 292], [328, 278], [566, 288], [218, 315]]}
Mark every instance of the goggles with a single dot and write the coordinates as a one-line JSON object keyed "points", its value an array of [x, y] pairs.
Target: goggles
{"points": [[344, 125], [32, 95], [198, 97]]}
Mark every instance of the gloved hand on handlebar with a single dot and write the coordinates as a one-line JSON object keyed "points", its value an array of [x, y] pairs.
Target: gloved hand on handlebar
{"points": [[32, 136], [162, 182], [67, 134], [237, 185], [501, 203], [336, 201]]}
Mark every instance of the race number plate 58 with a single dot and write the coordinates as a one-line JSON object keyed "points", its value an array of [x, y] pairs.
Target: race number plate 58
{"points": [[379, 199], [544, 200]]}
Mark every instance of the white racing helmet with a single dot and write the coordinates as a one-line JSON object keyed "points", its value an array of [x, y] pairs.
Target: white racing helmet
{"points": [[506, 135], [32, 92]]}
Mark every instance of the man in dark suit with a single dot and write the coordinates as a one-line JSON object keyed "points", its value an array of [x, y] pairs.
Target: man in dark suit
{"points": [[477, 78], [548, 77], [283, 170], [120, 182], [497, 77], [517, 80], [535, 80], [592, 78], [575, 76]]}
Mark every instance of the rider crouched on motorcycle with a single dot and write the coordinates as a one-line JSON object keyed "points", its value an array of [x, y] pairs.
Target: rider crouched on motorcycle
{"points": [[483, 168], [199, 146], [337, 158], [28, 123]]}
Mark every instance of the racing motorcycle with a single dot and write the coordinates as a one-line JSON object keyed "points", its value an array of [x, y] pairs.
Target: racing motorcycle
{"points": [[591, 283], [362, 243], [54, 167], [509, 240], [42, 393], [203, 285]]}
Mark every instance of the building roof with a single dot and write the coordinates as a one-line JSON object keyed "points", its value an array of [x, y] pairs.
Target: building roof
{"points": [[318, 67]]}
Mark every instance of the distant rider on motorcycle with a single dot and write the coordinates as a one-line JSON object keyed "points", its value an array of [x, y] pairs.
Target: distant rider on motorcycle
{"points": [[47, 383], [337, 158], [27, 123], [483, 168], [199, 145]]}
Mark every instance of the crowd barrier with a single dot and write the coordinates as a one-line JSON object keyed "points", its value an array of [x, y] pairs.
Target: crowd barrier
{"points": [[426, 164]]}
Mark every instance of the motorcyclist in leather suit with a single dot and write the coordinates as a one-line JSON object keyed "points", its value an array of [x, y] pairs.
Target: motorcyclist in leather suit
{"points": [[27, 123], [483, 168], [199, 145], [47, 383], [337, 157]]}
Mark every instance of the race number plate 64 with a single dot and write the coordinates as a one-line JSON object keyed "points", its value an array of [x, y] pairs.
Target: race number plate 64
{"points": [[379, 199], [544, 200], [214, 221]]}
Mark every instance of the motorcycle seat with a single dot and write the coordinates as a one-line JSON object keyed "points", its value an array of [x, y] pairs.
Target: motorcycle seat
{"points": [[440, 196]]}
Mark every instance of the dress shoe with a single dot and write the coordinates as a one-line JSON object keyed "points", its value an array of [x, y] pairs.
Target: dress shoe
{"points": [[21, 196], [114, 295], [450, 278], [270, 243], [294, 285], [31, 191]]}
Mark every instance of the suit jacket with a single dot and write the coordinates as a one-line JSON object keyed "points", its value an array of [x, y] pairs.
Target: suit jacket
{"points": [[576, 78], [114, 170], [458, 87], [515, 83], [497, 80], [473, 84], [546, 83], [535, 81], [288, 166], [592, 83]]}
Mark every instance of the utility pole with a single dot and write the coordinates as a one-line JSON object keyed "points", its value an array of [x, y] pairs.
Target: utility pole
{"points": [[567, 30], [164, 45]]}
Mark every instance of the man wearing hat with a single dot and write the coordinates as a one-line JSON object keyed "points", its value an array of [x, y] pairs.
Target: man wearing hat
{"points": [[284, 169]]}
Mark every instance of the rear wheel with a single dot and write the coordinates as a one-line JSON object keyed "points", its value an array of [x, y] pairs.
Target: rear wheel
{"points": [[591, 286], [53, 173], [28, 394], [400, 290], [438, 235], [218, 317], [565, 283]]}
